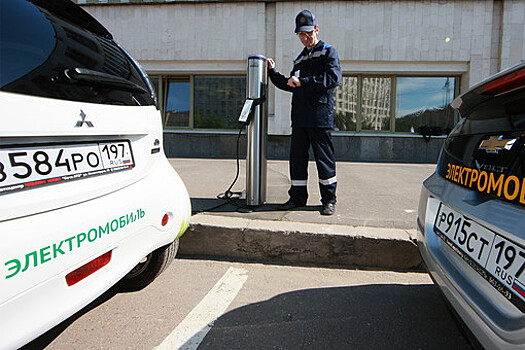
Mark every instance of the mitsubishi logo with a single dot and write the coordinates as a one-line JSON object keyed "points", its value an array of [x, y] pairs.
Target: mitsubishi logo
{"points": [[83, 121], [496, 143]]}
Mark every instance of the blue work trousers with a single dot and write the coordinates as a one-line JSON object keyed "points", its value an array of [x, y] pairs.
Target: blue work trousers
{"points": [[320, 139]]}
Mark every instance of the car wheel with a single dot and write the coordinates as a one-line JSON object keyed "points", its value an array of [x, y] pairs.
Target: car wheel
{"points": [[149, 268]]}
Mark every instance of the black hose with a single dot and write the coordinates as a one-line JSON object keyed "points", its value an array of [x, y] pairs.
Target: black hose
{"points": [[228, 196]]}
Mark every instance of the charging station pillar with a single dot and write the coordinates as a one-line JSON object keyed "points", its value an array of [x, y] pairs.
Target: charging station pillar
{"points": [[257, 130]]}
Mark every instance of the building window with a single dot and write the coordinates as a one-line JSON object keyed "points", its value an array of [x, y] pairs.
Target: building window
{"points": [[218, 101], [177, 110], [345, 114], [424, 102], [375, 106], [363, 103], [200, 102], [395, 104]]}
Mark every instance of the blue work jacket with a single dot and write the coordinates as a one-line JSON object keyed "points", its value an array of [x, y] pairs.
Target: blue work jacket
{"points": [[320, 73]]}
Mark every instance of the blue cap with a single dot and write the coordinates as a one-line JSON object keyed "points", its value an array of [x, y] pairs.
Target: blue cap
{"points": [[305, 21]]}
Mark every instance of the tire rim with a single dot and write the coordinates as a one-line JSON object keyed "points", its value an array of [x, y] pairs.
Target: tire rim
{"points": [[139, 268]]}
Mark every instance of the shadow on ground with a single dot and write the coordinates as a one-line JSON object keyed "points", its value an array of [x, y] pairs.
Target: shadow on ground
{"points": [[216, 205], [361, 317]]}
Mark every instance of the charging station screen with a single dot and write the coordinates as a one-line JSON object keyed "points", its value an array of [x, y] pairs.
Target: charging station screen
{"points": [[245, 112]]}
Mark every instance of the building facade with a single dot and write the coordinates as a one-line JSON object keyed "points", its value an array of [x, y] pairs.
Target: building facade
{"points": [[403, 63]]}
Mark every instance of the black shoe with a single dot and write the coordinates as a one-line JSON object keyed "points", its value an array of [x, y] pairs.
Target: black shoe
{"points": [[328, 209], [291, 204]]}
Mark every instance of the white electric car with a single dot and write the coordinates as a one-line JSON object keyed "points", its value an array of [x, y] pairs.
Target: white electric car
{"points": [[87, 196]]}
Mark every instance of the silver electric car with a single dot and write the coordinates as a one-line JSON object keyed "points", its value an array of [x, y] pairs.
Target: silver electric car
{"points": [[472, 212]]}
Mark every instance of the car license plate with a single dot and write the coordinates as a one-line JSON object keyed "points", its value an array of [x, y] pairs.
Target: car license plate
{"points": [[30, 167], [500, 261]]}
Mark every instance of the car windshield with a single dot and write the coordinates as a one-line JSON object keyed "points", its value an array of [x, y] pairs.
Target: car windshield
{"points": [[37, 48]]}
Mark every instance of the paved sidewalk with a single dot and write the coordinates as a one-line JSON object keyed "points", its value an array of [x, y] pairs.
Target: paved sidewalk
{"points": [[374, 224]]}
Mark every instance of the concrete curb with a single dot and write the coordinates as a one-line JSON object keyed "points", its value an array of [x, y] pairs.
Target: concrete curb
{"points": [[300, 243]]}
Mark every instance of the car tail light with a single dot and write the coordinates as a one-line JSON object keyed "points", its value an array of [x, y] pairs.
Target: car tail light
{"points": [[421, 226], [505, 83], [165, 219], [87, 269]]}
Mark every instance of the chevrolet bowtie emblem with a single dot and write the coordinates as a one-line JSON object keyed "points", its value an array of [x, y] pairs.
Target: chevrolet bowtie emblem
{"points": [[83, 121], [496, 143]]}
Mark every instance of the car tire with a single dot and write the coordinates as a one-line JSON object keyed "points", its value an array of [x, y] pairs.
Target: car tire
{"points": [[149, 268]]}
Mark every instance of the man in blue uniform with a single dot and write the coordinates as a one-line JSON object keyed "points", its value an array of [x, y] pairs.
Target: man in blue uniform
{"points": [[315, 75]]}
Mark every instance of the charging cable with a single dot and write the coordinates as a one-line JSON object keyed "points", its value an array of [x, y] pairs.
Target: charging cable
{"points": [[228, 196]]}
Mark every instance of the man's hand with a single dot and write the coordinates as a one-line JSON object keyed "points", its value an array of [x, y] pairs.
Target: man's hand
{"points": [[271, 63], [294, 82]]}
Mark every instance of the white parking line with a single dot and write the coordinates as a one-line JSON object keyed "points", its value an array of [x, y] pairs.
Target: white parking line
{"points": [[191, 331]]}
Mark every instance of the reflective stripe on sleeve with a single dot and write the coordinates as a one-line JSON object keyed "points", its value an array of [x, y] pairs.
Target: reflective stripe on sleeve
{"points": [[314, 54], [318, 53], [329, 181]]}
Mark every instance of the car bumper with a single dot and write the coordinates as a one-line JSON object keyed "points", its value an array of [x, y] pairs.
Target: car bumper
{"points": [[493, 320]]}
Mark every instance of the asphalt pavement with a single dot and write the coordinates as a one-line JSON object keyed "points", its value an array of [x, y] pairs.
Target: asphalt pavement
{"points": [[271, 307], [374, 224]]}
